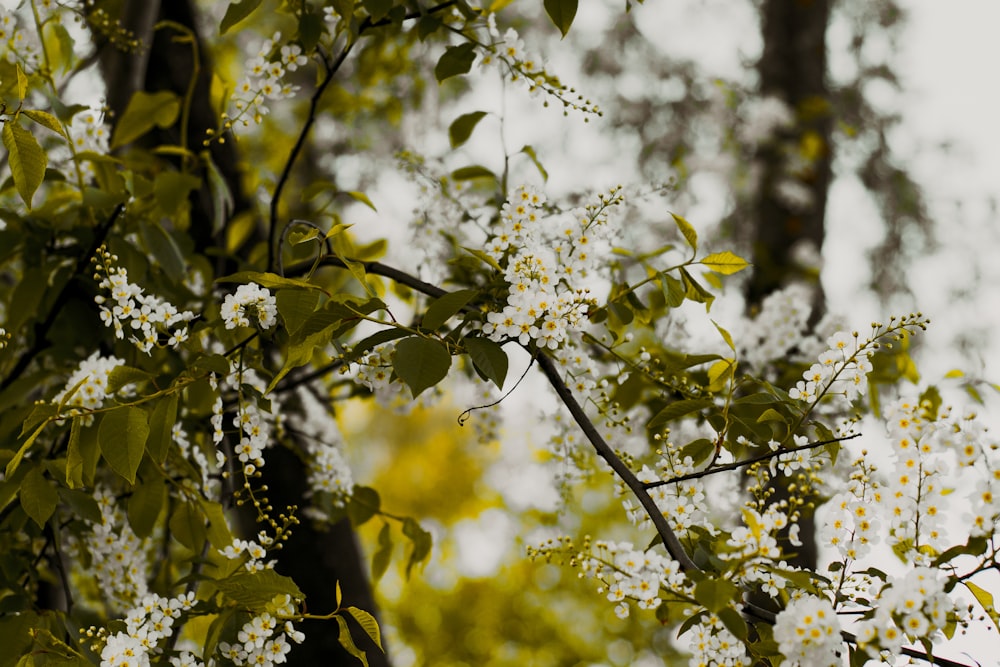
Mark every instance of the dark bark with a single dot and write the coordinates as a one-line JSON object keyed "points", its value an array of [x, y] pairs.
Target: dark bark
{"points": [[315, 558], [792, 68]]}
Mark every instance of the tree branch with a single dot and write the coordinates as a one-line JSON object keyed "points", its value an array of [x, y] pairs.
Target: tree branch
{"points": [[748, 462], [670, 541]]}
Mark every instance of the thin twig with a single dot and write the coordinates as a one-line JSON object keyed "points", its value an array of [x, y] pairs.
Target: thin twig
{"points": [[747, 462]]}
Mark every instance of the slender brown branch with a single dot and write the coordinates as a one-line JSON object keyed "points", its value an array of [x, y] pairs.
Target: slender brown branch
{"points": [[670, 541], [331, 71], [746, 462], [300, 142]]}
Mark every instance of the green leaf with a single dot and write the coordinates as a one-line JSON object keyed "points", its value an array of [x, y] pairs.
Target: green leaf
{"points": [[562, 13], [421, 540], [219, 534], [725, 336], [358, 197], [347, 641], [530, 152], [420, 363], [145, 504], [699, 450], [461, 128], [985, 599], [25, 158], [161, 425], [74, 457], [716, 594], [81, 503], [161, 244], [45, 119], [38, 497], [171, 190], [488, 357], [443, 307], [122, 438], [236, 12], [377, 9], [695, 292], [483, 257], [295, 307], [725, 263], [218, 188], [144, 112], [364, 504], [690, 235], [719, 374], [469, 173], [256, 589], [679, 409], [125, 375], [310, 30], [673, 290], [734, 622], [373, 341], [455, 61], [368, 623], [383, 554], [22, 82], [268, 280], [187, 525]]}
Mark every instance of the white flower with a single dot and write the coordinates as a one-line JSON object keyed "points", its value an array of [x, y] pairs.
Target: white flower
{"points": [[250, 299]]}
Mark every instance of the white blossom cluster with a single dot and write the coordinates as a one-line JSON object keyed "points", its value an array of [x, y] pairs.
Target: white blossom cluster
{"points": [[712, 645], [255, 551], [909, 608], [808, 633], [263, 641], [778, 327], [683, 504], [854, 524], [916, 497], [254, 424], [18, 44], [546, 262], [149, 319], [265, 80], [841, 370], [507, 54], [328, 469], [765, 117], [209, 485], [755, 544], [86, 388], [119, 561], [89, 133], [630, 574], [250, 300], [146, 625]]}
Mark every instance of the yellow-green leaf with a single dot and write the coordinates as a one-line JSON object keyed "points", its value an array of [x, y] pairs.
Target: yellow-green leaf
{"points": [[26, 159], [144, 112], [368, 623], [725, 263], [22, 82], [690, 235], [122, 436], [38, 497], [45, 119], [985, 598]]}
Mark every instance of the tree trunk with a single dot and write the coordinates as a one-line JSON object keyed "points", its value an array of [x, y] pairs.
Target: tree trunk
{"points": [[793, 69], [315, 558]]}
